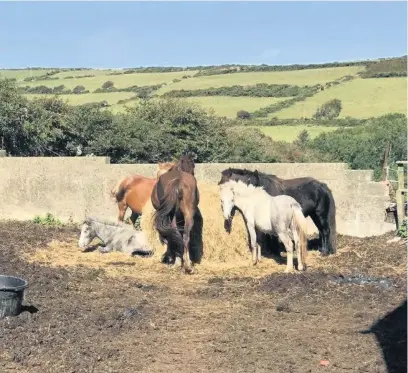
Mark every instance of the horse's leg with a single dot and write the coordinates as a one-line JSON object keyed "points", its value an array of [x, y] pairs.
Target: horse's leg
{"points": [[134, 217], [296, 240], [319, 223], [188, 225], [122, 210], [253, 243], [171, 258], [105, 249], [287, 242]]}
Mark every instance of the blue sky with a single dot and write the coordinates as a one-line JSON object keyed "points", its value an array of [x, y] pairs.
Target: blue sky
{"points": [[130, 34]]}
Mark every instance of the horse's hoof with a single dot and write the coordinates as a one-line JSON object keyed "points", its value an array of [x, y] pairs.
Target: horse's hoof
{"points": [[189, 270], [324, 253]]}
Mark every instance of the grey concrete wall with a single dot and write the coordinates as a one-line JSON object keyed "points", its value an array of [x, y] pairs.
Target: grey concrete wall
{"points": [[71, 187]]}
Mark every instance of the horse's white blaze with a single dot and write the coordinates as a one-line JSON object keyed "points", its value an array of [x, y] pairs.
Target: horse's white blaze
{"points": [[227, 200]]}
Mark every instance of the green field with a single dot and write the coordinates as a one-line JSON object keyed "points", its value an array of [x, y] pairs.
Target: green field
{"points": [[360, 98], [83, 72], [296, 77], [290, 133], [120, 81], [21, 74], [110, 98], [229, 106]]}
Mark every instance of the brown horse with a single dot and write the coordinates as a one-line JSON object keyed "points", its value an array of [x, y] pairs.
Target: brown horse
{"points": [[134, 191], [175, 198]]}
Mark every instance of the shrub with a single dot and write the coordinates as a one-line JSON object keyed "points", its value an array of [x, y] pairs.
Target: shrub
{"points": [[303, 139], [363, 146], [242, 114], [107, 85], [329, 110], [78, 90]]}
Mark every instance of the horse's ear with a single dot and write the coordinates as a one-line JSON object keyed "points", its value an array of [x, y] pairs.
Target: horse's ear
{"points": [[257, 182]]}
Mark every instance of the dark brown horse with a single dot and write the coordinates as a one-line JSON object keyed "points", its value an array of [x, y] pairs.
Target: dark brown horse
{"points": [[175, 198], [134, 191]]}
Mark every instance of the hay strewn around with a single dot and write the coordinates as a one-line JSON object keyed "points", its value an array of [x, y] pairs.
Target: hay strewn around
{"points": [[218, 245]]}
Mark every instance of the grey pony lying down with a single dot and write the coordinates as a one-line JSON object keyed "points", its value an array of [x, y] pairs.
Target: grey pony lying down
{"points": [[115, 237]]}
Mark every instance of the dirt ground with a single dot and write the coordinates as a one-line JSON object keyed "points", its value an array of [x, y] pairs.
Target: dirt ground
{"points": [[89, 312]]}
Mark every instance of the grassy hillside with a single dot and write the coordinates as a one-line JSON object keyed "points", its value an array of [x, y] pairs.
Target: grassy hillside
{"points": [[21, 74], [361, 98], [228, 106], [298, 77], [366, 89], [120, 81], [110, 98]]}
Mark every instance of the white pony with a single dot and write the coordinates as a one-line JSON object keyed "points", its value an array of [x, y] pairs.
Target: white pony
{"points": [[281, 216]]}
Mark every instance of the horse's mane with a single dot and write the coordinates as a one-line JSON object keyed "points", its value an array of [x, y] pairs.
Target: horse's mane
{"points": [[256, 178], [247, 188], [90, 219], [186, 164]]}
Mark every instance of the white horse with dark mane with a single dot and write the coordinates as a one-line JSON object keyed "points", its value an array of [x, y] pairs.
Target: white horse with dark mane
{"points": [[280, 216], [115, 236]]}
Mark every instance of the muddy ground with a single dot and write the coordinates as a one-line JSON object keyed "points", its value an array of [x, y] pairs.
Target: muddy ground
{"points": [[80, 319]]}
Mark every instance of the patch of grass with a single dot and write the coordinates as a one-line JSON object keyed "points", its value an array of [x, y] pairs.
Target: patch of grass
{"points": [[360, 98], [402, 230], [21, 74], [296, 77], [120, 81], [229, 106], [111, 98], [290, 133], [49, 220]]}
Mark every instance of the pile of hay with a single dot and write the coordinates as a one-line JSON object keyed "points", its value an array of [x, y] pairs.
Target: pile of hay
{"points": [[218, 245]]}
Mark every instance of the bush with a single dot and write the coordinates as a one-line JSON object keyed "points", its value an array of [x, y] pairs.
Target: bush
{"points": [[303, 139], [79, 89], [242, 114], [257, 90], [329, 110], [363, 146], [107, 85]]}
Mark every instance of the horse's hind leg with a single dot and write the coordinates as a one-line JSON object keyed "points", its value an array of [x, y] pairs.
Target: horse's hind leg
{"points": [[320, 225], [296, 240], [287, 242], [122, 210], [188, 225], [134, 217]]}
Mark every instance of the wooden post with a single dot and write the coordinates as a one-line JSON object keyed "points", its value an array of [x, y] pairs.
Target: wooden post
{"points": [[385, 162], [401, 193]]}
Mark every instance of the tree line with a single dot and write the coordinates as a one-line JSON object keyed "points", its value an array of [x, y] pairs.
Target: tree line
{"points": [[161, 129]]}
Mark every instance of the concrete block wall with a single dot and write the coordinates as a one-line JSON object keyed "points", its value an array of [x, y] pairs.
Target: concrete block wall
{"points": [[71, 187]]}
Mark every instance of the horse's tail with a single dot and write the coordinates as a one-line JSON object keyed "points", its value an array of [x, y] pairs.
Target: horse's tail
{"points": [[331, 217], [299, 223], [168, 207], [119, 191]]}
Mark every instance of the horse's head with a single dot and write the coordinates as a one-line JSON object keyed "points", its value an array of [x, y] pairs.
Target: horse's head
{"points": [[226, 175], [163, 168], [88, 233], [227, 200], [186, 164]]}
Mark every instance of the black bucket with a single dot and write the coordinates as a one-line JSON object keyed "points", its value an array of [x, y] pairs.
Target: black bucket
{"points": [[11, 295]]}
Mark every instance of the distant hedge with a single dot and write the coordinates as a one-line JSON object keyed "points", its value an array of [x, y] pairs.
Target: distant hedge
{"points": [[258, 90], [386, 68]]}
